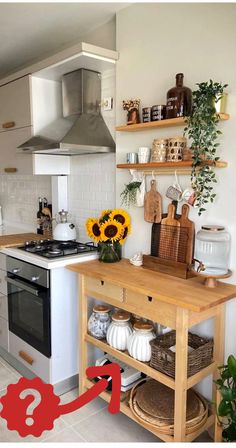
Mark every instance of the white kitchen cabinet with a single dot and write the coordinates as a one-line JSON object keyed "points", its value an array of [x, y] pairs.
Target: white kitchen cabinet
{"points": [[9, 157], [15, 104]]}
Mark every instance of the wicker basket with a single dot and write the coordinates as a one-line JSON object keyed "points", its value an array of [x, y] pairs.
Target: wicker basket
{"points": [[163, 359], [164, 425]]}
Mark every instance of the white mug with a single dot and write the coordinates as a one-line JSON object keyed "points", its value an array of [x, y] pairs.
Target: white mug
{"points": [[188, 196], [144, 154]]}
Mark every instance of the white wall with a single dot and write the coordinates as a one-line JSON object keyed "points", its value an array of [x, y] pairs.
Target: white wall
{"points": [[155, 42]]}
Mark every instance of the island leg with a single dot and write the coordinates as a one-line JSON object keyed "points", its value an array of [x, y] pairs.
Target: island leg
{"points": [[83, 349], [181, 374]]}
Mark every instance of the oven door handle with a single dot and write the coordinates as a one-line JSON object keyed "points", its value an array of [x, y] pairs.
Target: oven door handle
{"points": [[23, 285]]}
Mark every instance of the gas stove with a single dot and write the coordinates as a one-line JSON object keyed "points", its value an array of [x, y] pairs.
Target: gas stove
{"points": [[55, 249]]}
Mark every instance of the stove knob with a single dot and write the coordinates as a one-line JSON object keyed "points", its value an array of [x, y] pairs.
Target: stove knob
{"points": [[15, 270], [35, 278]]}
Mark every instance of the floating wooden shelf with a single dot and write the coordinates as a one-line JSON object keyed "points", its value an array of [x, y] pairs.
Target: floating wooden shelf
{"points": [[168, 167], [181, 121]]}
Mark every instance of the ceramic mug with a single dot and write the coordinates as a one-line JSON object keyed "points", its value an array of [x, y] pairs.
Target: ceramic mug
{"points": [[132, 157], [144, 154], [188, 196]]}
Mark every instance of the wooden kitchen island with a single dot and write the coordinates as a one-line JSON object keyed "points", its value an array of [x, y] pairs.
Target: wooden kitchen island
{"points": [[168, 300]]}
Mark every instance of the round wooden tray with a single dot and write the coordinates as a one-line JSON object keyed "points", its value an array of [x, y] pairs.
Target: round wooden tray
{"points": [[210, 280]]}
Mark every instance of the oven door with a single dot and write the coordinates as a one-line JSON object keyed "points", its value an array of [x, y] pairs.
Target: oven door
{"points": [[29, 313]]}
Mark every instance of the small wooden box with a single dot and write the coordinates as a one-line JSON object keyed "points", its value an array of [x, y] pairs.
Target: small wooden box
{"points": [[174, 268]]}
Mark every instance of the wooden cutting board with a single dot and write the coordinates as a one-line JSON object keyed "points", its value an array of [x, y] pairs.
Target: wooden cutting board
{"points": [[169, 238], [152, 204], [185, 222], [18, 239]]}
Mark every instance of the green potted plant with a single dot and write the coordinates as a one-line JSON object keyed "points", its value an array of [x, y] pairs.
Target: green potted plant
{"points": [[226, 411], [202, 129]]}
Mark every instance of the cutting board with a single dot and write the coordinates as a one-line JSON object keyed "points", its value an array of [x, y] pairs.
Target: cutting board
{"points": [[186, 223], [17, 239], [152, 204], [169, 237]]}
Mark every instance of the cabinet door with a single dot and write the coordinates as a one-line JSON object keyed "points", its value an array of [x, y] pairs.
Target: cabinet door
{"points": [[9, 157], [15, 104]]}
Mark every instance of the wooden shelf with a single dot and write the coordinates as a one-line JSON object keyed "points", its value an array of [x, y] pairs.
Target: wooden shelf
{"points": [[183, 167], [125, 409], [145, 367], [181, 121]]}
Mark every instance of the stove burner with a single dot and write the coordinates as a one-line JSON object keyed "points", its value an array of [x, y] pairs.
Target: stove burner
{"points": [[54, 248]]}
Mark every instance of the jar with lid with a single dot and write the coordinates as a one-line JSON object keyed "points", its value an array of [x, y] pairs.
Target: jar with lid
{"points": [[119, 330], [138, 343], [179, 99], [213, 249], [99, 321]]}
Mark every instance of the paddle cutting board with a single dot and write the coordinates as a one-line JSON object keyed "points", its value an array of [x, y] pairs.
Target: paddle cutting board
{"points": [[17, 239], [185, 222], [169, 238], [152, 204]]}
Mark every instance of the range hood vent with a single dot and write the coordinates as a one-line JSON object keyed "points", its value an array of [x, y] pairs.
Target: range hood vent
{"points": [[83, 129]]}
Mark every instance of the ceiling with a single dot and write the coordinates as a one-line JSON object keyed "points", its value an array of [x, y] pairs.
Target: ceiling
{"points": [[32, 31]]}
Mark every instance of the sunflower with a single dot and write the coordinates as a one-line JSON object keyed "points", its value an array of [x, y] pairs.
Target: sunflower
{"points": [[105, 215], [111, 230], [121, 216], [93, 229], [126, 232]]}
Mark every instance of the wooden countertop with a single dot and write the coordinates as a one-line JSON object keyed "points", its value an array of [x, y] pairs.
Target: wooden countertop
{"points": [[17, 239], [190, 294]]}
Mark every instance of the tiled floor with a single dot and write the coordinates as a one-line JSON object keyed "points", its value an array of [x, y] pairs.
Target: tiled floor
{"points": [[92, 423]]}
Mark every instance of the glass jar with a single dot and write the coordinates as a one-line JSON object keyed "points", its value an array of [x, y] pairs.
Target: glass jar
{"points": [[119, 331], [99, 321], [109, 251], [213, 249], [138, 343]]}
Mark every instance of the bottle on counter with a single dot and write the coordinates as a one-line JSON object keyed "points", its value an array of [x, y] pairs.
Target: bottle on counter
{"points": [[179, 99], [39, 218]]}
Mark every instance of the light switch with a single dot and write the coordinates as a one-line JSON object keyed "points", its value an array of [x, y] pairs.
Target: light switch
{"points": [[107, 103]]}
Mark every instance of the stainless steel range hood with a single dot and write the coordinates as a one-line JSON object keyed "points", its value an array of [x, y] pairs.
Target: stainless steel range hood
{"points": [[83, 129]]}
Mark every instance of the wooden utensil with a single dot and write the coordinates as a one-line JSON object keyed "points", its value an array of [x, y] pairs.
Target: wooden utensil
{"points": [[188, 224], [169, 238], [152, 204]]}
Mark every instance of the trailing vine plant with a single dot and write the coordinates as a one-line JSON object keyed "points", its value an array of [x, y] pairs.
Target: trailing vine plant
{"points": [[226, 411], [203, 132]]}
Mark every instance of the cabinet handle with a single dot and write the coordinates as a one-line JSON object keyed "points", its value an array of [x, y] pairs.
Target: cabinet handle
{"points": [[10, 170], [8, 124], [150, 298], [102, 282], [26, 357]]}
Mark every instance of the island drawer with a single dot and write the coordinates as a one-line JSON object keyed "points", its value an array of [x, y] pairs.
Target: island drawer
{"points": [[103, 289], [151, 307]]}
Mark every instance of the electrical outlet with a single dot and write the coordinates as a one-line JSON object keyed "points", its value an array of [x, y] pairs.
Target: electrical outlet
{"points": [[107, 103]]}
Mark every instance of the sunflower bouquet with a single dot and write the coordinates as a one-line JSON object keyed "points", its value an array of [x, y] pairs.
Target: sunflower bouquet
{"points": [[110, 231]]}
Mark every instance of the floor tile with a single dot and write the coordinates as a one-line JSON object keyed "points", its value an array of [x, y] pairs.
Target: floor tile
{"points": [[105, 427], [65, 436], [7, 377], [86, 411], [9, 367]]}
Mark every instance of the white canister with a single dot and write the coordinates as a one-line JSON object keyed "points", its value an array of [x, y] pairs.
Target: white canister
{"points": [[143, 154], [139, 342], [119, 330], [99, 321]]}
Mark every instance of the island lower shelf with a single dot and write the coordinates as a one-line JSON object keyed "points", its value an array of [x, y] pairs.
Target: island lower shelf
{"points": [[145, 367]]}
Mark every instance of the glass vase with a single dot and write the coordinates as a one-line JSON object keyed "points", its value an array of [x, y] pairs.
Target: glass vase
{"points": [[109, 252]]}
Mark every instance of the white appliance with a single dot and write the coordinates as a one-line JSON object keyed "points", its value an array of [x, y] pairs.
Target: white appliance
{"points": [[129, 375], [64, 230]]}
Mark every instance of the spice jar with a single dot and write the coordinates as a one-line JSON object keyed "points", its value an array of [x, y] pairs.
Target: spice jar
{"points": [[159, 149], [99, 321], [138, 343], [213, 249], [119, 330]]}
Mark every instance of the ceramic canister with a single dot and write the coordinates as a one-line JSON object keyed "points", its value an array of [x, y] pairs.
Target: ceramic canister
{"points": [[138, 343], [99, 321], [119, 330]]}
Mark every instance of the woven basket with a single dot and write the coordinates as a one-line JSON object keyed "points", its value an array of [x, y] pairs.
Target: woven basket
{"points": [[163, 359], [164, 425]]}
